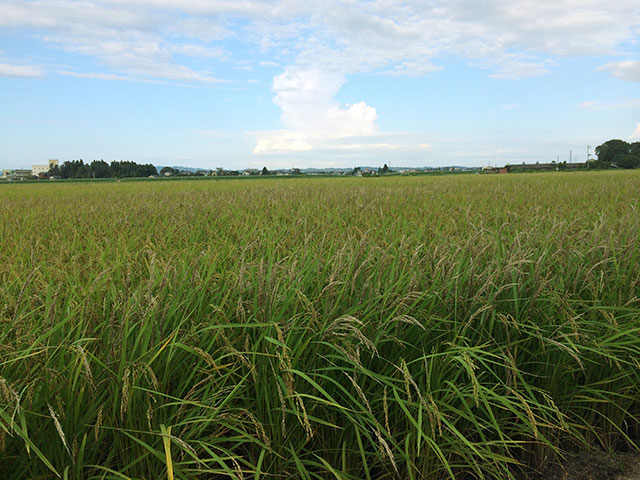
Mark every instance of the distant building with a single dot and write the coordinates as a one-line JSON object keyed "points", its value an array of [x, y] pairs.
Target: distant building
{"points": [[495, 169], [534, 167], [18, 174], [575, 165], [38, 170]]}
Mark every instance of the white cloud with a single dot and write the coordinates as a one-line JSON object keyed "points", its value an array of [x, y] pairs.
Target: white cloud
{"points": [[132, 41], [281, 146], [590, 104], [598, 105], [193, 50], [20, 71], [106, 76], [281, 141], [412, 69], [516, 67], [626, 70], [310, 112], [66, 15], [139, 56], [636, 134], [370, 146], [513, 39]]}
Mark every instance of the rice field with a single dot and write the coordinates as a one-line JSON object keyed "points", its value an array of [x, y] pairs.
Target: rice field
{"points": [[461, 327]]}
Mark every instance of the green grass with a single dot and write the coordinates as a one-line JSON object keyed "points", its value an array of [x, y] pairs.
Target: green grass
{"points": [[416, 328]]}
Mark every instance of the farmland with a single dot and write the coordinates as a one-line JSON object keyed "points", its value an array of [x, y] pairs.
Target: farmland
{"points": [[416, 328]]}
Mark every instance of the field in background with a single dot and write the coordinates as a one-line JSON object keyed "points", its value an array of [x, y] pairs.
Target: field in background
{"points": [[413, 328]]}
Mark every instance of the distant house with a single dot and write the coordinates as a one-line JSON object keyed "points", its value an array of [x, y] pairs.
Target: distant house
{"points": [[534, 167], [18, 174], [575, 165], [504, 169]]}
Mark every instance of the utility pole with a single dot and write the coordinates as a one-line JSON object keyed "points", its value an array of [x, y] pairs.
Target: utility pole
{"points": [[570, 152], [588, 147]]}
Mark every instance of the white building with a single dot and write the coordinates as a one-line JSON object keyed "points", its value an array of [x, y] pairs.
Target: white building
{"points": [[38, 169]]}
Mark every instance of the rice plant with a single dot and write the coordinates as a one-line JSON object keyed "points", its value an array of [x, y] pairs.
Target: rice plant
{"points": [[399, 328]]}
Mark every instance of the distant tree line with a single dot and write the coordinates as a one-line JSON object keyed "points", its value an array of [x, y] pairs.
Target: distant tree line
{"points": [[102, 169], [618, 154]]}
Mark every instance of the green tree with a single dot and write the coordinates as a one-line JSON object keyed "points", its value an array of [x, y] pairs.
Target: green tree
{"points": [[610, 149], [169, 170], [265, 171], [100, 169], [625, 160]]}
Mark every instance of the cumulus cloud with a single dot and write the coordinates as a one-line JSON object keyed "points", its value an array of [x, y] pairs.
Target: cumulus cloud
{"points": [[311, 114], [626, 70], [636, 134], [20, 71], [281, 142], [306, 97]]}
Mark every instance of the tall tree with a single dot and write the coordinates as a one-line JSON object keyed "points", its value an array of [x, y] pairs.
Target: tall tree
{"points": [[610, 149], [624, 160], [168, 170], [100, 169]]}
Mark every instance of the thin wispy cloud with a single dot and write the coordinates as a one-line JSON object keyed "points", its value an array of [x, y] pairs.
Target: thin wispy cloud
{"points": [[625, 70], [20, 71], [632, 103], [107, 76]]}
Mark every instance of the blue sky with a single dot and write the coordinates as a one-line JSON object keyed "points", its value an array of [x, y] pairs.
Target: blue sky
{"points": [[236, 84]]}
